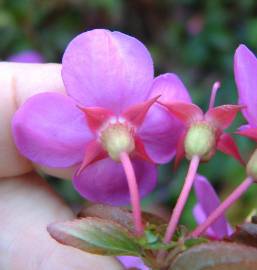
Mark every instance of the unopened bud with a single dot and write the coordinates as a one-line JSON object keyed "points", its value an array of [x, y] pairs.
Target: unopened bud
{"points": [[200, 141], [251, 167], [117, 138]]}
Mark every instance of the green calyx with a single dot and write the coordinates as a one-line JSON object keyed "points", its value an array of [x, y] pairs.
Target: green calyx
{"points": [[200, 141], [251, 167], [117, 138]]}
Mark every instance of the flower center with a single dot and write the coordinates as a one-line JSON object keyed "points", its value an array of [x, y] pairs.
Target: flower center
{"points": [[117, 138], [200, 141]]}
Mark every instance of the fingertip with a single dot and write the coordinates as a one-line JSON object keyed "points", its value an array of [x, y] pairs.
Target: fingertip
{"points": [[31, 79], [18, 82]]}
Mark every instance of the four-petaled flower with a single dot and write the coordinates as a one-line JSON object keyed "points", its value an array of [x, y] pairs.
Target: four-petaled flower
{"points": [[109, 110], [204, 132]]}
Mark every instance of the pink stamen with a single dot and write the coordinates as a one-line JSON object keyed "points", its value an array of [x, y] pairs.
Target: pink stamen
{"points": [[134, 193], [235, 195], [182, 199], [214, 91]]}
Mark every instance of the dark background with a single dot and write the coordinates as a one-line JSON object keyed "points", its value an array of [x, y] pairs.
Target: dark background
{"points": [[195, 39]]}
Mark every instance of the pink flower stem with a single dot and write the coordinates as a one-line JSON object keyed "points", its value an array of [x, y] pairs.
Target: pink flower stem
{"points": [[235, 195], [134, 192], [182, 199]]}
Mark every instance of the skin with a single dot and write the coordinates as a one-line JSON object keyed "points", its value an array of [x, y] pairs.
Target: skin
{"points": [[27, 204]]}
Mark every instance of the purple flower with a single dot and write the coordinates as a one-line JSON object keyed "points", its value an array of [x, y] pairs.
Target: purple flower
{"points": [[132, 262], [109, 81], [207, 128], [207, 202], [245, 69], [28, 56]]}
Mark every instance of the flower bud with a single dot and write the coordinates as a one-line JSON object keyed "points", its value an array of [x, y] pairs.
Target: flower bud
{"points": [[251, 167], [200, 141], [117, 138]]}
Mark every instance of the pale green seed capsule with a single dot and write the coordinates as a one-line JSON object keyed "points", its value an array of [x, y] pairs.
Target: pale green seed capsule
{"points": [[251, 167], [117, 138], [200, 141]]}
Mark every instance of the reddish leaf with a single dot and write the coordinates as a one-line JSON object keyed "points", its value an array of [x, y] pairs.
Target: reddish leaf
{"points": [[136, 114], [227, 145], [249, 133], [94, 152], [223, 116], [120, 215], [96, 116], [216, 256], [245, 234], [185, 112]]}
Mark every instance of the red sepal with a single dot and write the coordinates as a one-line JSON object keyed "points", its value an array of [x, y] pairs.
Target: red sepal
{"points": [[140, 150], [136, 113], [227, 145], [96, 116], [185, 112], [223, 116], [249, 133], [180, 151], [94, 152]]}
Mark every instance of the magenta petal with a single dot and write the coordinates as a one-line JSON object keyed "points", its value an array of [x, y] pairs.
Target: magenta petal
{"points": [[245, 69], [131, 262], [160, 131], [105, 181], [200, 217], [208, 201], [171, 89], [26, 57], [50, 130], [107, 69]]}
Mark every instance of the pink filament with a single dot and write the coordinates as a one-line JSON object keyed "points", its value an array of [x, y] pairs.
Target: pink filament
{"points": [[134, 193], [182, 199]]}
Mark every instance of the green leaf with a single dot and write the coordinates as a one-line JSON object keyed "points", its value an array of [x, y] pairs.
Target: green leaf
{"points": [[194, 242], [152, 240], [216, 256], [180, 233], [96, 235]]}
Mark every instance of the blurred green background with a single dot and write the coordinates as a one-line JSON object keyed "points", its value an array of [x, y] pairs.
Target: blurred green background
{"points": [[195, 39]]}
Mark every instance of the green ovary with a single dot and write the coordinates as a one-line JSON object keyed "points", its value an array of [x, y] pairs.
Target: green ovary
{"points": [[200, 141], [117, 138]]}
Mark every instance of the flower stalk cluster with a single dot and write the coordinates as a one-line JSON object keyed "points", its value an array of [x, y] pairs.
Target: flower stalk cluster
{"points": [[118, 122]]}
